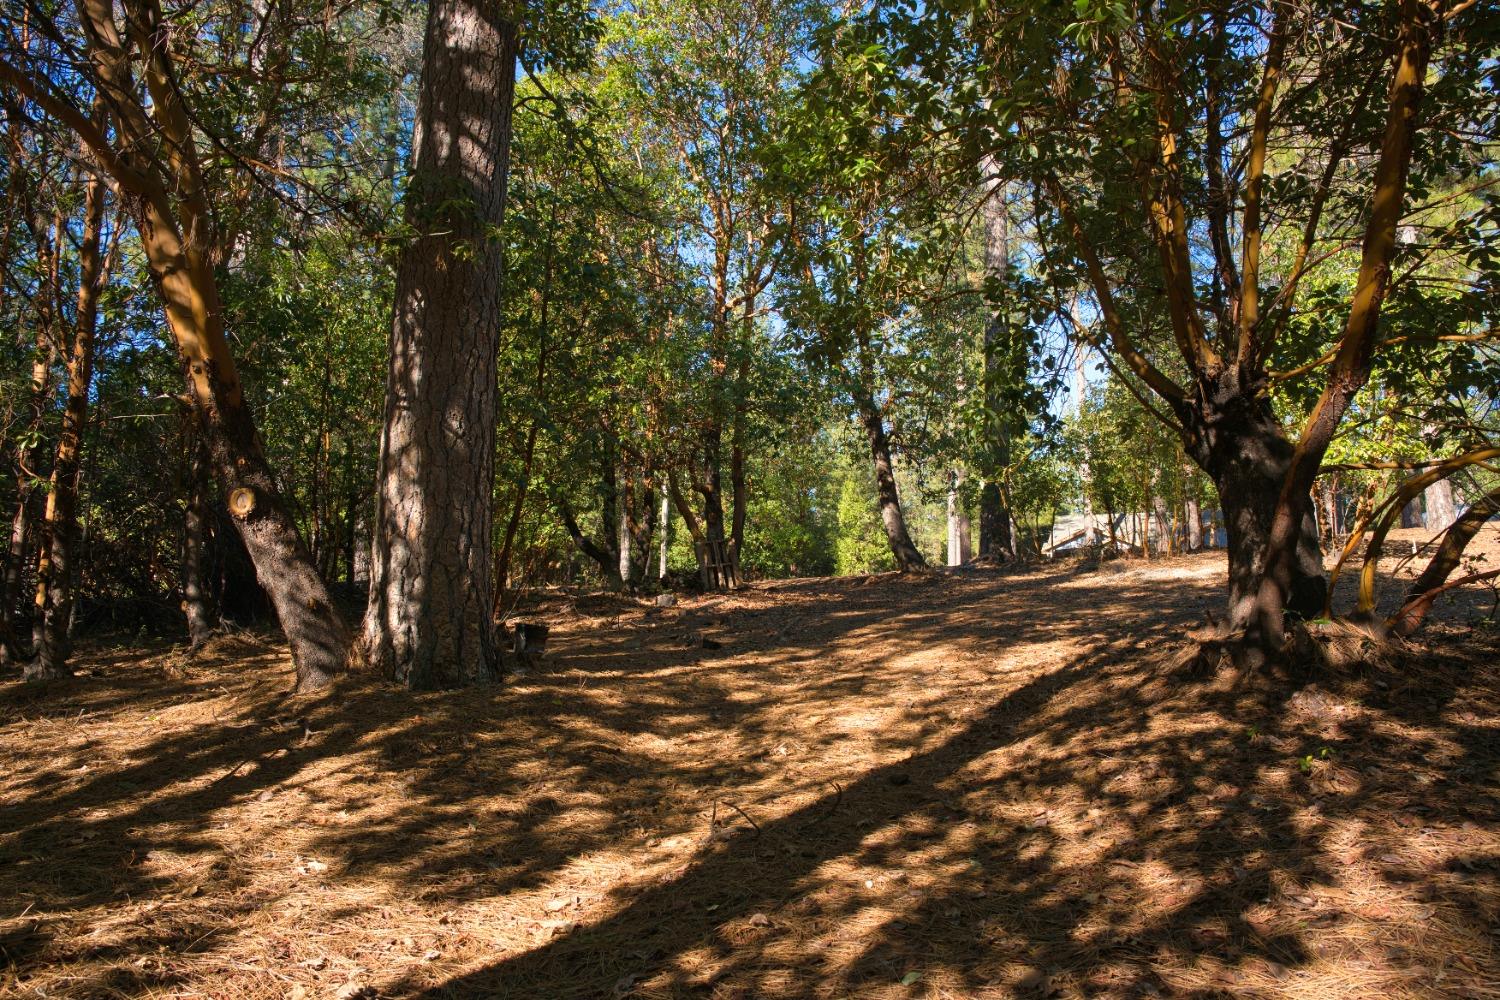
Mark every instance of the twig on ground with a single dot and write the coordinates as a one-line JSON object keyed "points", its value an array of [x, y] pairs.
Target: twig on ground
{"points": [[838, 797], [746, 815]]}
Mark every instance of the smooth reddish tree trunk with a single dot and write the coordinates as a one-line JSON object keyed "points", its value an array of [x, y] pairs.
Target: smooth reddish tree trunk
{"points": [[54, 587]]}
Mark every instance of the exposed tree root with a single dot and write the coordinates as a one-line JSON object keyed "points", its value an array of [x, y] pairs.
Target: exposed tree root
{"points": [[1307, 647]]}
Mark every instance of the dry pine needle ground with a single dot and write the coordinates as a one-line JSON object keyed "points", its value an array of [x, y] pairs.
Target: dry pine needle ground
{"points": [[981, 784]]}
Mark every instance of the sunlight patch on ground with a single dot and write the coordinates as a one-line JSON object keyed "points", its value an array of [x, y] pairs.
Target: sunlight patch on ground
{"points": [[998, 793]]}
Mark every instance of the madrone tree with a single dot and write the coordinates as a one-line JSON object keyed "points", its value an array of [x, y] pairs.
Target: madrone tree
{"points": [[1169, 149], [141, 87]]}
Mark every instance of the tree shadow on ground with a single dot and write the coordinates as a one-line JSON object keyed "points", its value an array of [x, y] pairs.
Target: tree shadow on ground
{"points": [[973, 785]]}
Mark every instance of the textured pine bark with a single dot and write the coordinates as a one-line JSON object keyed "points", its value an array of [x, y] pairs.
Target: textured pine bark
{"points": [[996, 535], [429, 621]]}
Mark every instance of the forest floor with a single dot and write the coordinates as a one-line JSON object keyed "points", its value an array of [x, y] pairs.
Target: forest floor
{"points": [[982, 783]]}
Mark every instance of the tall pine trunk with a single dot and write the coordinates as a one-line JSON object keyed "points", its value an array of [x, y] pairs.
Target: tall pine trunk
{"points": [[429, 623], [997, 539], [1441, 511]]}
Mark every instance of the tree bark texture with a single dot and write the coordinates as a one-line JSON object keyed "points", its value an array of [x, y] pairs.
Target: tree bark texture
{"points": [[1235, 437], [1281, 575], [197, 602], [996, 532], [1441, 512], [429, 622]]}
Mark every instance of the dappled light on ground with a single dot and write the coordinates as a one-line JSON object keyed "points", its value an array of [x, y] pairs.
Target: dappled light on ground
{"points": [[977, 784]]}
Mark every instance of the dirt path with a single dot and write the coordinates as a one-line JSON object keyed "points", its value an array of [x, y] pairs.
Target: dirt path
{"points": [[971, 785]]}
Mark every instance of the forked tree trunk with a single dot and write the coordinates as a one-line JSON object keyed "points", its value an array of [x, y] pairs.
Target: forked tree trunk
{"points": [[54, 587], [429, 623], [1237, 440], [1283, 582]]}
